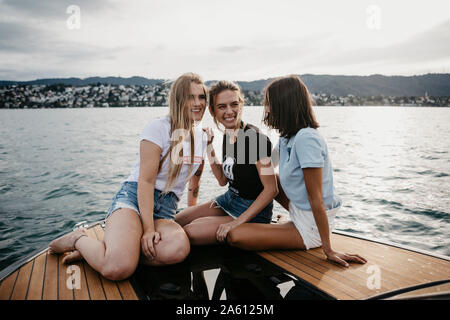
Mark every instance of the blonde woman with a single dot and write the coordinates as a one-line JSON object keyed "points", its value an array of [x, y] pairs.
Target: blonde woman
{"points": [[139, 223], [245, 166]]}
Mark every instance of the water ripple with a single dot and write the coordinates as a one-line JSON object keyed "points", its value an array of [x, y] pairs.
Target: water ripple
{"points": [[435, 214], [63, 191], [441, 174], [425, 172]]}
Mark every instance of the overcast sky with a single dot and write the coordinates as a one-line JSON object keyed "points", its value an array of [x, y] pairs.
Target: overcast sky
{"points": [[233, 39]]}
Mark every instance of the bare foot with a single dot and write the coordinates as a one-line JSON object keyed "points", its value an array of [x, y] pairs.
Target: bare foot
{"points": [[72, 257], [65, 243]]}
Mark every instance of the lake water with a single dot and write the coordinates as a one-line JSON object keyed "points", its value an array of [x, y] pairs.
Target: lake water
{"points": [[62, 166]]}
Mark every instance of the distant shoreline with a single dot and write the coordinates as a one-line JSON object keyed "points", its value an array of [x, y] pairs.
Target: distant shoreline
{"points": [[107, 95]]}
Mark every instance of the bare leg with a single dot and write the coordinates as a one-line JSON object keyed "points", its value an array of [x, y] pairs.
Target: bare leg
{"points": [[260, 236], [202, 231], [117, 256], [190, 214], [173, 246]]}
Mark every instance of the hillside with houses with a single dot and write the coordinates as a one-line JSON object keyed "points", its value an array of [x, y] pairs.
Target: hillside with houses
{"points": [[427, 90]]}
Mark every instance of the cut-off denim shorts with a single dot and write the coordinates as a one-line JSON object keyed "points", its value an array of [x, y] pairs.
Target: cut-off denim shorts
{"points": [[234, 205], [164, 207]]}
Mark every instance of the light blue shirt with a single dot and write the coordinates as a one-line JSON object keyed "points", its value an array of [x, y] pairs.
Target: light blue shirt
{"points": [[307, 149]]}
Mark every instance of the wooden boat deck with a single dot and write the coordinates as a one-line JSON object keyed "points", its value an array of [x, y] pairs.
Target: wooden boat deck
{"points": [[398, 268], [44, 277]]}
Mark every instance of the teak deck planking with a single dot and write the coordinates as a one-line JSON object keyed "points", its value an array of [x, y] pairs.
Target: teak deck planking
{"points": [[46, 278], [397, 268]]}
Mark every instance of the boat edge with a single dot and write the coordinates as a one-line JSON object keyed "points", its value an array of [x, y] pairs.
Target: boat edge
{"points": [[393, 244]]}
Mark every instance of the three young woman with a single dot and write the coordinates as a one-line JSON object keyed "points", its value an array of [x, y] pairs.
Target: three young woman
{"points": [[140, 219]]}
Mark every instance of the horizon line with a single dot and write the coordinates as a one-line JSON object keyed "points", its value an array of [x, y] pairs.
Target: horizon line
{"points": [[206, 80]]}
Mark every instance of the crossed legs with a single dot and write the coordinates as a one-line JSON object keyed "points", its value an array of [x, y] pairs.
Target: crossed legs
{"points": [[201, 222], [118, 255], [261, 236]]}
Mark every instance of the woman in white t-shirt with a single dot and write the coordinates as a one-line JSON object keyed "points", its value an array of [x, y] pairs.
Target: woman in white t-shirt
{"points": [[140, 224]]}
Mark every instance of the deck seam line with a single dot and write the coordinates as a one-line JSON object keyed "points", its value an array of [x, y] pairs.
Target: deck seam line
{"points": [[377, 257], [408, 254], [297, 277], [359, 276], [310, 256], [314, 267], [427, 258], [45, 273], [392, 244], [288, 263], [85, 278], [14, 285], [118, 288], [348, 294], [397, 284], [337, 288], [73, 290], [346, 280], [29, 280], [346, 276]]}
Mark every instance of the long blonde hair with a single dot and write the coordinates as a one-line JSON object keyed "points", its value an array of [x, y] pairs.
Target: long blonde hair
{"points": [[180, 124]]}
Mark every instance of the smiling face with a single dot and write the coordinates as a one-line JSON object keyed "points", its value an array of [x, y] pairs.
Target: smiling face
{"points": [[227, 109], [196, 102]]}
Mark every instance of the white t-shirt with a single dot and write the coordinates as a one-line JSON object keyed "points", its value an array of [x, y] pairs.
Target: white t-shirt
{"points": [[158, 132]]}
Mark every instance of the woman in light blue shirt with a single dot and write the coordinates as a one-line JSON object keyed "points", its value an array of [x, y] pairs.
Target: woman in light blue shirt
{"points": [[306, 178]]}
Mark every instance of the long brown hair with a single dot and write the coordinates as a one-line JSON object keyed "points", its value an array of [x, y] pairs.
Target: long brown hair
{"points": [[180, 124], [288, 106]]}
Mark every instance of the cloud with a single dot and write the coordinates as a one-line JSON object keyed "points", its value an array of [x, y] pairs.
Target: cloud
{"points": [[433, 44], [35, 41], [259, 39], [17, 37], [51, 8], [230, 49]]}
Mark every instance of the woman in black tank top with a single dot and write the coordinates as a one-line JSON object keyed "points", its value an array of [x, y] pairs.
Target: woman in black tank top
{"points": [[246, 167]]}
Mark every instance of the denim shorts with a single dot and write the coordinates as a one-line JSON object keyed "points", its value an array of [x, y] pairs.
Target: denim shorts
{"points": [[234, 205], [164, 207]]}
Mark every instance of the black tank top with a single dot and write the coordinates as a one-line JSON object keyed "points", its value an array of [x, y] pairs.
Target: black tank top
{"points": [[239, 160]]}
